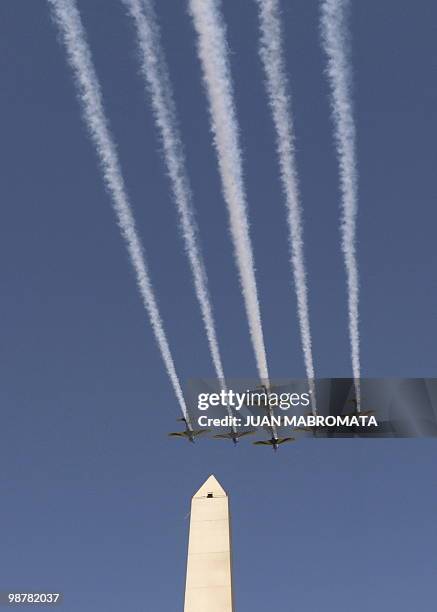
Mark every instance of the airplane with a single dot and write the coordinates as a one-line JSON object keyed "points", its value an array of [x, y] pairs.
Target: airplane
{"points": [[234, 435], [274, 442], [189, 434]]}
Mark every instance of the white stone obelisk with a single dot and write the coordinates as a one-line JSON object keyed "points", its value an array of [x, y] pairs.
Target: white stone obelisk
{"points": [[209, 567]]}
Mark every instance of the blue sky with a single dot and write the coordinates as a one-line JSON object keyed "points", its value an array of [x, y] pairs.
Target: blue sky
{"points": [[95, 495]]}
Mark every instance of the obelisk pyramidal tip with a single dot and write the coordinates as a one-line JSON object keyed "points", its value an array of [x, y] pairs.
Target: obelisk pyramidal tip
{"points": [[209, 568]]}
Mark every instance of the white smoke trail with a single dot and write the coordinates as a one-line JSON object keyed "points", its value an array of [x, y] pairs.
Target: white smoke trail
{"points": [[68, 20], [157, 81], [271, 53], [213, 55], [334, 40]]}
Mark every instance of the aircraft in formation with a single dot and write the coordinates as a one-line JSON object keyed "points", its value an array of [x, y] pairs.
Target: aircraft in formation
{"points": [[191, 434]]}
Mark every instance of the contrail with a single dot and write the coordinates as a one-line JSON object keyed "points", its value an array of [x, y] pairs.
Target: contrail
{"points": [[67, 18], [334, 41], [213, 55], [157, 81], [272, 56]]}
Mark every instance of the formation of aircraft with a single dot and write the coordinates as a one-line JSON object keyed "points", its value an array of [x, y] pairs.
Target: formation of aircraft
{"points": [[234, 435], [188, 433], [274, 441], [191, 434]]}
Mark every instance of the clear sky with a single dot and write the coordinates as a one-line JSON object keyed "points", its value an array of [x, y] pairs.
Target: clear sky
{"points": [[94, 495]]}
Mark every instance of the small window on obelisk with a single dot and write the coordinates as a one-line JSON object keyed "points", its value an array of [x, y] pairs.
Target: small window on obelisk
{"points": [[210, 495]]}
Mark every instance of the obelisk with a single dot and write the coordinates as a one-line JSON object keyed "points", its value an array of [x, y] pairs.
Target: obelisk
{"points": [[209, 568]]}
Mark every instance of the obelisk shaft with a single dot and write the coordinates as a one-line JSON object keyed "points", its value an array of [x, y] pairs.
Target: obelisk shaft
{"points": [[209, 570]]}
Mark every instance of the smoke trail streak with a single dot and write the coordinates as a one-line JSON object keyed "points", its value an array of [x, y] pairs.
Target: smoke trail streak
{"points": [[271, 53], [213, 55], [334, 41], [157, 81], [67, 18]]}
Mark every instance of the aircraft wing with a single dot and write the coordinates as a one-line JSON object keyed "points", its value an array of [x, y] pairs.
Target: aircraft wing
{"points": [[199, 432], [263, 443], [224, 436], [178, 434], [282, 440]]}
